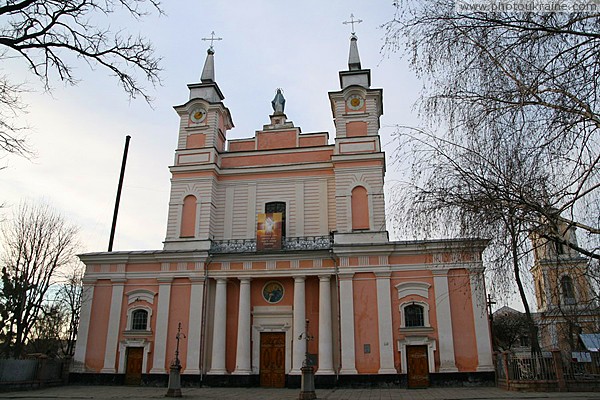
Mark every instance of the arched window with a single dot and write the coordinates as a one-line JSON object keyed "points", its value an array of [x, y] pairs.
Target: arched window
{"points": [[188, 217], [568, 292], [139, 320], [360, 208], [277, 207], [413, 316]]}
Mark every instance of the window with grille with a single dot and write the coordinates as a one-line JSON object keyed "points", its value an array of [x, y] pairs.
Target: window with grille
{"points": [[277, 207], [413, 316], [139, 320]]}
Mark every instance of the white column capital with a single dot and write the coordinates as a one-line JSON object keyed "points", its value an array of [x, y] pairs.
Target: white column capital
{"points": [[299, 278], [324, 278]]}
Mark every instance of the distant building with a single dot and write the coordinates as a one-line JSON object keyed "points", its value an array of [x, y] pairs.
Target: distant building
{"points": [[275, 234], [567, 306]]}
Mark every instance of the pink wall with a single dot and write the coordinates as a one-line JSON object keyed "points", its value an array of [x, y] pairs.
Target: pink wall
{"points": [[463, 328], [233, 296], [96, 344], [366, 323], [179, 311]]}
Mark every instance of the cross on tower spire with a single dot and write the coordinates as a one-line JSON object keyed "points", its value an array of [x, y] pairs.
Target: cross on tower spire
{"points": [[212, 38], [353, 21]]}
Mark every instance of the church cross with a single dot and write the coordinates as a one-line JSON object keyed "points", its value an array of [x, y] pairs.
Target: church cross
{"points": [[352, 21], [212, 38]]}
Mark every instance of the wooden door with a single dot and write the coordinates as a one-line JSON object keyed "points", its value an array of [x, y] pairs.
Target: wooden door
{"points": [[133, 372], [272, 359], [418, 367]]}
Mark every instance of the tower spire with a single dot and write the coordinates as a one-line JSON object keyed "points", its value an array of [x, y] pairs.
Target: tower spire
{"points": [[208, 72], [353, 57]]}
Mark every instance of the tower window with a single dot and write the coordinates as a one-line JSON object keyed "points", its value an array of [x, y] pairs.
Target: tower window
{"points": [[188, 217], [413, 316], [568, 292], [277, 207], [360, 208]]}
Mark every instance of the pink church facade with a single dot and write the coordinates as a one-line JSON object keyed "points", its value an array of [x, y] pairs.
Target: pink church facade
{"points": [[275, 235]]}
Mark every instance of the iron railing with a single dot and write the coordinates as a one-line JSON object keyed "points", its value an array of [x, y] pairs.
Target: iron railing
{"points": [[287, 244]]}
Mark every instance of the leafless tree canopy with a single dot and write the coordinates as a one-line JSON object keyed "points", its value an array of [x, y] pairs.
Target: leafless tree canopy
{"points": [[510, 144], [518, 86], [48, 34], [37, 244]]}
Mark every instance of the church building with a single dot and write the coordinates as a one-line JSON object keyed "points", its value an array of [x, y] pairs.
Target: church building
{"points": [[276, 255]]}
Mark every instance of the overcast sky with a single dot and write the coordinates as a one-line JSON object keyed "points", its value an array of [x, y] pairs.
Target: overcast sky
{"points": [[78, 132]]}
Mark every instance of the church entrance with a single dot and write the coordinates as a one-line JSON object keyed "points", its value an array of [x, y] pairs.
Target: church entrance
{"points": [[133, 371], [272, 359], [418, 367]]}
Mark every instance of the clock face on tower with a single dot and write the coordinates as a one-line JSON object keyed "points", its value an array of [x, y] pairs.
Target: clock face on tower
{"points": [[198, 115], [355, 102]]}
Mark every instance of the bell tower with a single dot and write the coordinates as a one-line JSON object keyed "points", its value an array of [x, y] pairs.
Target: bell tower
{"points": [[204, 121], [559, 272], [359, 163]]}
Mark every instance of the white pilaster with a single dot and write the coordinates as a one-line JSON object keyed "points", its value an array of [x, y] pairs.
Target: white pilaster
{"points": [[242, 358], [444, 321], [384, 319], [228, 223], [162, 322], [87, 296], [194, 334], [299, 225], [347, 324], [298, 343], [325, 328], [480, 318], [219, 329], [251, 212], [114, 319]]}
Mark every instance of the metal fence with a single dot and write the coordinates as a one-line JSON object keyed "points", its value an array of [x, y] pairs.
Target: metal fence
{"points": [[32, 372], [548, 371]]}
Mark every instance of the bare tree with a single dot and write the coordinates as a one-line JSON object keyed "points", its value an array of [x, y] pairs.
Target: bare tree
{"points": [[37, 243], [70, 296], [509, 328], [512, 141], [48, 33], [518, 76]]}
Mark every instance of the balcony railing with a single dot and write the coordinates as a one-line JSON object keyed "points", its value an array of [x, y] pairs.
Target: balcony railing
{"points": [[287, 244]]}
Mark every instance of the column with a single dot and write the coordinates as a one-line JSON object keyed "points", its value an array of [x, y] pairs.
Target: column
{"points": [[87, 296], [384, 319], [482, 323], [114, 319], [217, 366], [242, 357], [298, 343], [162, 325], [347, 324], [194, 333], [444, 321], [325, 328]]}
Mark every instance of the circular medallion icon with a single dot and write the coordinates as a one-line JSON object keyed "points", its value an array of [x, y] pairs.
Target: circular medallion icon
{"points": [[273, 292]]}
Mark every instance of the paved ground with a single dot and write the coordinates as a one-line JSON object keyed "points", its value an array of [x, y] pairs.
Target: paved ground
{"points": [[138, 393]]}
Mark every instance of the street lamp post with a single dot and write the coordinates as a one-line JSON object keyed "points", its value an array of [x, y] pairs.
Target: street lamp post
{"points": [[307, 387], [174, 389]]}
